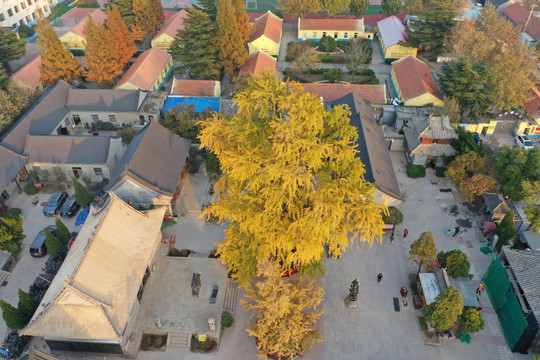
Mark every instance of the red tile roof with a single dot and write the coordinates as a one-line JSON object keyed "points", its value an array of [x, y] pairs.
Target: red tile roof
{"points": [[519, 15], [146, 69], [169, 14], [257, 62], [414, 78], [193, 87], [376, 94], [97, 15], [77, 13], [29, 74], [533, 102], [268, 25], [331, 24], [175, 23]]}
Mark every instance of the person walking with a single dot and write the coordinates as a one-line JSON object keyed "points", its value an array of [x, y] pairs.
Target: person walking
{"points": [[405, 233], [379, 277], [480, 289], [392, 236]]}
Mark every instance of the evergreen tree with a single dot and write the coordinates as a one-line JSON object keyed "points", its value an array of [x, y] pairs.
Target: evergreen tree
{"points": [[145, 16], [390, 7], [471, 321], [209, 7], [445, 311], [57, 63], [158, 11], [11, 234], [291, 183], [232, 52], [13, 319], [120, 35], [414, 7], [62, 232], [457, 264], [126, 10], [242, 20], [102, 61], [11, 47], [196, 47], [506, 230], [4, 78], [53, 245], [358, 7], [81, 194], [27, 305], [514, 167], [532, 211], [423, 250]]}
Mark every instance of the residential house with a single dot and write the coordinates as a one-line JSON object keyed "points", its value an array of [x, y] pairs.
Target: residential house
{"points": [[339, 29], [526, 21], [513, 284], [393, 37], [372, 149], [267, 34], [183, 87], [74, 16], [75, 39], [499, 5], [29, 76], [14, 13], [414, 83], [495, 206], [94, 299], [531, 240], [32, 50], [167, 33], [12, 174], [148, 72], [92, 157], [152, 169], [532, 105], [257, 63], [375, 94]]}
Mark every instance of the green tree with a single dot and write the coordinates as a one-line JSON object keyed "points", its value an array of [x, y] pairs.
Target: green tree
{"points": [[182, 120], [465, 143], [414, 7], [291, 182], [333, 75], [469, 85], [12, 317], [127, 133], [4, 78], [357, 54], [208, 7], [514, 166], [62, 232], [284, 307], [196, 47], [390, 7], [232, 52], [298, 7], [451, 109], [532, 212], [334, 7], [11, 234], [444, 312], [327, 44], [437, 22], [457, 264], [53, 244], [506, 230], [358, 7], [394, 216], [145, 16], [81, 194], [11, 47], [212, 163], [471, 321], [423, 250], [126, 10], [27, 305]]}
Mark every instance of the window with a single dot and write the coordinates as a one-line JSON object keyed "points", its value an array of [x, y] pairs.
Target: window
{"points": [[315, 34], [21, 22], [2, 17], [95, 118], [335, 35], [29, 2], [98, 172], [324, 33], [10, 12], [369, 36], [67, 121], [346, 35], [356, 35], [150, 117], [76, 119], [28, 18], [16, 7], [141, 120], [23, 5], [46, 9], [112, 118], [34, 15]]}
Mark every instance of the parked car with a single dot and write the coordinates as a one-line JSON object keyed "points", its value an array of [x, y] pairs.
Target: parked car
{"points": [[524, 142], [55, 203], [38, 247], [70, 208]]}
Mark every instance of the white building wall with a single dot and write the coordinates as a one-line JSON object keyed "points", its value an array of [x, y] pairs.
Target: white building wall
{"points": [[86, 170], [18, 12]]}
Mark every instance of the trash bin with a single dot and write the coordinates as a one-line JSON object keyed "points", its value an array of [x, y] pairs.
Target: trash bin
{"points": [[448, 232], [489, 241]]}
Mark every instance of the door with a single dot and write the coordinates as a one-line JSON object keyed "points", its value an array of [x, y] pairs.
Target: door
{"points": [[77, 172]]}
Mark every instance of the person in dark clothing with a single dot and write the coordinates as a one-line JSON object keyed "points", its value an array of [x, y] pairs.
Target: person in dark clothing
{"points": [[379, 277]]}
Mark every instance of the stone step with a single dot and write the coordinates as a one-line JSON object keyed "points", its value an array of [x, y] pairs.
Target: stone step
{"points": [[179, 339], [231, 296]]}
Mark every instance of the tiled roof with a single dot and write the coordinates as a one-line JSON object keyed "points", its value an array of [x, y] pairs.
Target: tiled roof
{"points": [[519, 16], [10, 165], [175, 23], [375, 94], [257, 62], [533, 102], [146, 69], [414, 78], [439, 128], [29, 74], [268, 25], [103, 99], [392, 31], [331, 24], [57, 149], [184, 87], [169, 14], [78, 13], [368, 19], [97, 15]]}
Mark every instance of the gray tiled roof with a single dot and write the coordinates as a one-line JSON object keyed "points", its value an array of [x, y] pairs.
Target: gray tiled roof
{"points": [[62, 149], [10, 165], [156, 156], [526, 268], [373, 151], [491, 200], [104, 100]]}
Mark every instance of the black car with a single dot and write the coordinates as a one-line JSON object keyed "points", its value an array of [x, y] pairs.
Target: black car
{"points": [[70, 208], [55, 203], [38, 247]]}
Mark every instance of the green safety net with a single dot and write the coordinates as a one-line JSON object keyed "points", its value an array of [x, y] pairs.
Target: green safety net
{"points": [[497, 284]]}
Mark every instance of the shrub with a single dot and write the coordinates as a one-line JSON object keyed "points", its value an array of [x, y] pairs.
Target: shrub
{"points": [[212, 163], [333, 75], [375, 81], [226, 319], [471, 321], [157, 342], [148, 341], [289, 58], [416, 171], [439, 171], [127, 134], [12, 213], [506, 230], [25, 31], [390, 60], [394, 216], [414, 287], [327, 44], [102, 125], [30, 189]]}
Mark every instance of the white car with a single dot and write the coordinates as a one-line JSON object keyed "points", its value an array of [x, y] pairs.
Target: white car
{"points": [[524, 142], [478, 5]]}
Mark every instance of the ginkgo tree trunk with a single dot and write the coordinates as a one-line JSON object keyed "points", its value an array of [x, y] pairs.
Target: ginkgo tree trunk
{"points": [[291, 182]]}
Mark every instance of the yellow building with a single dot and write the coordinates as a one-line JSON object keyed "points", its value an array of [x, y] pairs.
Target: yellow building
{"points": [[148, 72], [392, 35], [414, 83], [75, 39], [339, 29], [29, 76], [267, 34], [166, 35]]}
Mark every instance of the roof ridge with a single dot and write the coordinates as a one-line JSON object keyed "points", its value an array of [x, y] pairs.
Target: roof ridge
{"points": [[13, 152]]}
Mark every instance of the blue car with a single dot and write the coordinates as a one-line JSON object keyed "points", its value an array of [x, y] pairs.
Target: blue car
{"points": [[55, 203]]}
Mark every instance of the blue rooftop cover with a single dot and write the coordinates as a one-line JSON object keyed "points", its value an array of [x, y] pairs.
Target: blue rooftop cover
{"points": [[82, 216], [201, 103]]}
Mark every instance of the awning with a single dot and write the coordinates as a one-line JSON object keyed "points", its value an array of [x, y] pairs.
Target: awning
{"points": [[430, 287], [488, 225]]}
